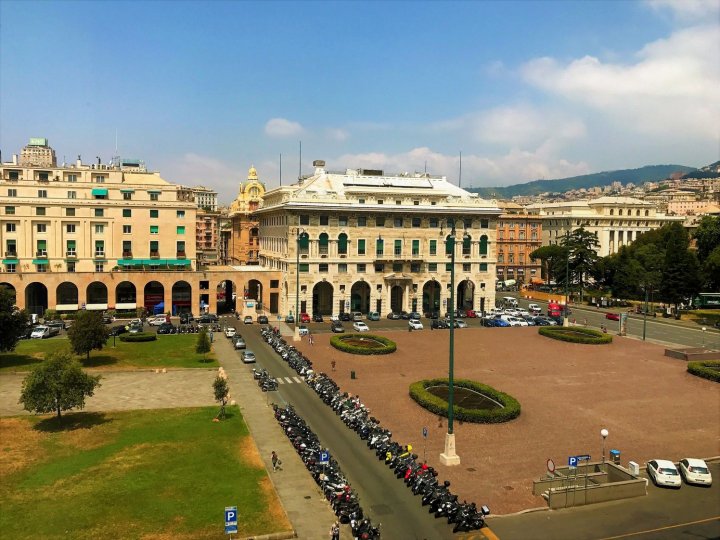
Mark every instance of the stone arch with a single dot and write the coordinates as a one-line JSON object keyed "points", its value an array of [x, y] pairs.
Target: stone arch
{"points": [[181, 297], [465, 295], [12, 290], [97, 296], [36, 298], [254, 290], [154, 294], [396, 298], [431, 296], [322, 298], [67, 297], [360, 297], [226, 296], [125, 296]]}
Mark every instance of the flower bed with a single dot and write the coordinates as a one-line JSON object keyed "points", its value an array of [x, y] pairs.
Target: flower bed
{"points": [[710, 369], [575, 335], [363, 344]]}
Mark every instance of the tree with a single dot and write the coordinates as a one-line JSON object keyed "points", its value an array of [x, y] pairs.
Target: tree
{"points": [[711, 271], [203, 342], [13, 321], [549, 257], [582, 246], [222, 390], [57, 384], [707, 236], [88, 332], [628, 273], [681, 272]]}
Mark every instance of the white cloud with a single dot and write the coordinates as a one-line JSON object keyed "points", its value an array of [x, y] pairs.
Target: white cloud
{"points": [[688, 9], [337, 134], [281, 127], [674, 86]]}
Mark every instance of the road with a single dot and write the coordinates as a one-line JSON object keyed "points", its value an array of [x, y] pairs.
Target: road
{"points": [[383, 497]]}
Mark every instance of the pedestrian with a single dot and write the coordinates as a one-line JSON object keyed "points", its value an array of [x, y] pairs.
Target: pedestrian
{"points": [[333, 364], [276, 463], [585, 322], [335, 531]]}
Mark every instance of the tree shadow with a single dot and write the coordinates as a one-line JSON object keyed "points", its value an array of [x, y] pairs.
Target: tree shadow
{"points": [[18, 360], [99, 360], [72, 421]]}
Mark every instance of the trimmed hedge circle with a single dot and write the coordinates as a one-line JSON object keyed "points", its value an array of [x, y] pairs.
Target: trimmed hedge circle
{"points": [[509, 411], [709, 369], [575, 334], [136, 338], [387, 345]]}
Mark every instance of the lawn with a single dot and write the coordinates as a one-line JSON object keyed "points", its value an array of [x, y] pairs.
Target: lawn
{"points": [[167, 351], [141, 474]]}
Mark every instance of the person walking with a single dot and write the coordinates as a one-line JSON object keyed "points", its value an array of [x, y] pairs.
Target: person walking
{"points": [[335, 531], [276, 463], [333, 364]]}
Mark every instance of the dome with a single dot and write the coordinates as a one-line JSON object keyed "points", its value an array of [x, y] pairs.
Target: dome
{"points": [[252, 173]]}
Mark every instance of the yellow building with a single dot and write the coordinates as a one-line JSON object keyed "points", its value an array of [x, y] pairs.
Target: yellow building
{"points": [[244, 242]]}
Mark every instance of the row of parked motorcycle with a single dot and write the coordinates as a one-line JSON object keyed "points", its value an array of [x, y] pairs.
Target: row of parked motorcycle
{"points": [[264, 380], [419, 477]]}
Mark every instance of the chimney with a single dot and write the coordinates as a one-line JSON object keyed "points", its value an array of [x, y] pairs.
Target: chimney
{"points": [[78, 163], [15, 159]]}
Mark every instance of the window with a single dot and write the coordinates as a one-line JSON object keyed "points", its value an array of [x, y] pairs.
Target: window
{"points": [[13, 175], [274, 283], [433, 247], [127, 212], [398, 222], [42, 248], [99, 212], [466, 267], [380, 201], [397, 267], [398, 202], [10, 268], [41, 227], [99, 179], [99, 267], [521, 235], [180, 214], [466, 245], [448, 267], [342, 244], [154, 196], [11, 247], [99, 248], [304, 268], [433, 222], [9, 227], [483, 245], [483, 267], [361, 247], [362, 221], [432, 267], [72, 194], [323, 268], [342, 221], [154, 249], [127, 229], [619, 212], [342, 268], [398, 247], [379, 268], [180, 229], [180, 246], [416, 247], [361, 201], [70, 212], [416, 203], [41, 267], [324, 220], [304, 219], [484, 223], [416, 221], [39, 211], [361, 268], [380, 247], [415, 268], [42, 193], [154, 229], [71, 266], [99, 229], [70, 248], [612, 212], [70, 228], [127, 196], [153, 213], [43, 176], [12, 192], [72, 177]]}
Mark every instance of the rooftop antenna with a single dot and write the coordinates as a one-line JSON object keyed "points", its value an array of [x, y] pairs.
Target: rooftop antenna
{"points": [[300, 162], [460, 175], [426, 166], [281, 168]]}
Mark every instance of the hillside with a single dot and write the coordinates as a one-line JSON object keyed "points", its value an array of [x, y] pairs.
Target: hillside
{"points": [[709, 171], [649, 173]]}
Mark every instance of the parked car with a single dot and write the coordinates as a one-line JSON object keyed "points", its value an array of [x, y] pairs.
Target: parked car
{"points": [[137, 328], [337, 327], [117, 330], [529, 319], [59, 325], [664, 473], [165, 328], [439, 324], [415, 315], [393, 316], [405, 315], [415, 324], [357, 316], [360, 326], [107, 319], [488, 322], [612, 316], [289, 319], [471, 314], [317, 317], [186, 318], [334, 317], [248, 357], [534, 309], [230, 332], [695, 471], [137, 322], [461, 324], [27, 332], [304, 318], [40, 332], [346, 317], [373, 316], [247, 319], [262, 319], [239, 343], [540, 321], [303, 330], [157, 320], [549, 321], [499, 323]]}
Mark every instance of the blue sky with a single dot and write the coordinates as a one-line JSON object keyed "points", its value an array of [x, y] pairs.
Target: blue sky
{"points": [[526, 90]]}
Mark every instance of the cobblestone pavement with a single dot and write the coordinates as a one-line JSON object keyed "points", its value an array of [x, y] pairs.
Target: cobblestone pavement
{"points": [[568, 392]]}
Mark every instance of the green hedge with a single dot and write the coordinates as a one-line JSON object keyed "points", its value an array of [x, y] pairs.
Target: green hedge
{"points": [[436, 405], [339, 344], [590, 337], [705, 369], [134, 338]]}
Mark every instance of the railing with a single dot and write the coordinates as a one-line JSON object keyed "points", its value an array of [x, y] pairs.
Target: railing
{"points": [[41, 253], [127, 254], [71, 254], [11, 254], [99, 254], [154, 254], [180, 254]]}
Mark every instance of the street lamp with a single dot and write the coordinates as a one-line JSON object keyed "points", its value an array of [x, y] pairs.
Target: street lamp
{"points": [[567, 277], [301, 235], [645, 313], [703, 336], [603, 433], [449, 457]]}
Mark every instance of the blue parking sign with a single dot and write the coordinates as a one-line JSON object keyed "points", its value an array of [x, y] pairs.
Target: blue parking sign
{"points": [[323, 457], [572, 461], [231, 516]]}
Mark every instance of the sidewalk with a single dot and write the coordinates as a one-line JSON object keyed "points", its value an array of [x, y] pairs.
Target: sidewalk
{"points": [[305, 505]]}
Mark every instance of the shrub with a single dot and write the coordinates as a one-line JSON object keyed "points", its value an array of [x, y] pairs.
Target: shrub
{"points": [[202, 345], [575, 335], [388, 347], [709, 369], [437, 405], [135, 338]]}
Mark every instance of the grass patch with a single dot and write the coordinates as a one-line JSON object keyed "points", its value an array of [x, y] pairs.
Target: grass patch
{"points": [[366, 344], [708, 369], [165, 352], [163, 473], [575, 334]]}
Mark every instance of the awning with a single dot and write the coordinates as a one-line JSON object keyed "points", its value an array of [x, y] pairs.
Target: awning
{"points": [[95, 307], [129, 262], [100, 191], [66, 307], [127, 190], [154, 190], [41, 262], [126, 305], [10, 261]]}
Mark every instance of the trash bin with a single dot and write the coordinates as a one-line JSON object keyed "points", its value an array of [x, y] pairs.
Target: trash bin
{"points": [[615, 456], [352, 374]]}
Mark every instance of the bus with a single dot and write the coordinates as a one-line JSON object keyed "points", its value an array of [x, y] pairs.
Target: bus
{"points": [[707, 301]]}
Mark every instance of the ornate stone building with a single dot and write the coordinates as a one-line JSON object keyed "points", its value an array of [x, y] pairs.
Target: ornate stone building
{"points": [[518, 235], [244, 243]]}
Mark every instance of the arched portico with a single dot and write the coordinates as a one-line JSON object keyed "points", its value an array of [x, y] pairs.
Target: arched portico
{"points": [[465, 294], [154, 294], [255, 292], [396, 298], [181, 297], [10, 288], [226, 296], [360, 297], [322, 298], [97, 296], [431, 296], [67, 297], [125, 296], [36, 298]]}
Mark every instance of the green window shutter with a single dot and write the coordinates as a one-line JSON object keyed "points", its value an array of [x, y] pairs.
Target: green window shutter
{"points": [[448, 267], [70, 244], [127, 212], [154, 245], [41, 244], [483, 245], [398, 247], [304, 267], [380, 247], [181, 229], [433, 247], [483, 267], [154, 229], [361, 247], [449, 244], [181, 246], [99, 245], [342, 244], [153, 213], [416, 247]]}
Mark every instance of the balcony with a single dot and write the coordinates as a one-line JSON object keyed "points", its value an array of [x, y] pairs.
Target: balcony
{"points": [[180, 255], [99, 254], [41, 253], [154, 254], [11, 255], [127, 254], [71, 254]]}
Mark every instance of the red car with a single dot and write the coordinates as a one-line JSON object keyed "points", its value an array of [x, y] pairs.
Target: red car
{"points": [[470, 314], [304, 318], [612, 316]]}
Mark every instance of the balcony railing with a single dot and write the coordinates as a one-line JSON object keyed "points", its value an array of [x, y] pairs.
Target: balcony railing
{"points": [[127, 255], [41, 253], [71, 254], [11, 255], [99, 254], [154, 254], [180, 254]]}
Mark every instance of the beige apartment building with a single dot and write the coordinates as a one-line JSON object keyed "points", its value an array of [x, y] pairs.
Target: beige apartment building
{"points": [[518, 235], [360, 240]]}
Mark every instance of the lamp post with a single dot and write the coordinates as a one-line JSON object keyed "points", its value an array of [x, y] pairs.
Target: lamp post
{"points": [[567, 277], [301, 235], [449, 457], [645, 313], [603, 433], [703, 336]]}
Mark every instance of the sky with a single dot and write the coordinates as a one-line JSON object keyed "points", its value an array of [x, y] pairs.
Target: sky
{"points": [[524, 90]]}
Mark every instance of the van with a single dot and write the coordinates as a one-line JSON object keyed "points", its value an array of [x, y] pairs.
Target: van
{"points": [[40, 332], [357, 316], [534, 309], [509, 301], [554, 309]]}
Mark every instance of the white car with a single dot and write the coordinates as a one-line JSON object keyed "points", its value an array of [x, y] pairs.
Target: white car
{"points": [[460, 324], [534, 309], [695, 471], [512, 312], [303, 330], [664, 473], [415, 324], [517, 321], [40, 332], [334, 317], [230, 332], [521, 311], [157, 321], [360, 326]]}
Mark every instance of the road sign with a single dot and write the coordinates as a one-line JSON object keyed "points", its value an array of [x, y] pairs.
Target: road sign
{"points": [[323, 457], [584, 457], [425, 432], [551, 465], [572, 461], [231, 516]]}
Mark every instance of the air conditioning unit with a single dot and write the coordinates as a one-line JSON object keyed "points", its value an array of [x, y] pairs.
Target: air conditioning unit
{"points": [[343, 256], [304, 256], [324, 256]]}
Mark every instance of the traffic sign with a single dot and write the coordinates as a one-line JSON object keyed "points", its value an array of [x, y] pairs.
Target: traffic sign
{"points": [[584, 457], [425, 432], [572, 461], [551, 465], [231, 515], [323, 457]]}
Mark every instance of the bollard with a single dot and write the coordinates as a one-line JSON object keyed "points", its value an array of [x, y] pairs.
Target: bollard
{"points": [[352, 374]]}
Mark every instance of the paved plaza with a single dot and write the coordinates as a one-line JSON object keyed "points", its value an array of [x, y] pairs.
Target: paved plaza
{"points": [[650, 405]]}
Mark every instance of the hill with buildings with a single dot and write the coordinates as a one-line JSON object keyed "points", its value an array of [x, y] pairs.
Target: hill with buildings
{"points": [[649, 173], [709, 171]]}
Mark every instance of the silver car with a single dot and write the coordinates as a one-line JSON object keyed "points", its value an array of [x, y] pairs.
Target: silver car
{"points": [[248, 357]]}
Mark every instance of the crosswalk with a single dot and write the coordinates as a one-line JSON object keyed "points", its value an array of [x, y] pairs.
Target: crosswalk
{"points": [[289, 380]]}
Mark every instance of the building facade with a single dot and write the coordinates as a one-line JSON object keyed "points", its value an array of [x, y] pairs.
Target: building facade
{"points": [[363, 241], [518, 235], [244, 241], [617, 221]]}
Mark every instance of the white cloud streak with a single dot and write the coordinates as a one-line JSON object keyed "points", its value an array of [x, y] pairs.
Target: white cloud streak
{"points": [[281, 127]]}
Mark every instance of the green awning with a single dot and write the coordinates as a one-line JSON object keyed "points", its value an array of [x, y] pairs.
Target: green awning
{"points": [[154, 190], [129, 262], [100, 191], [41, 262], [10, 261], [127, 190]]}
